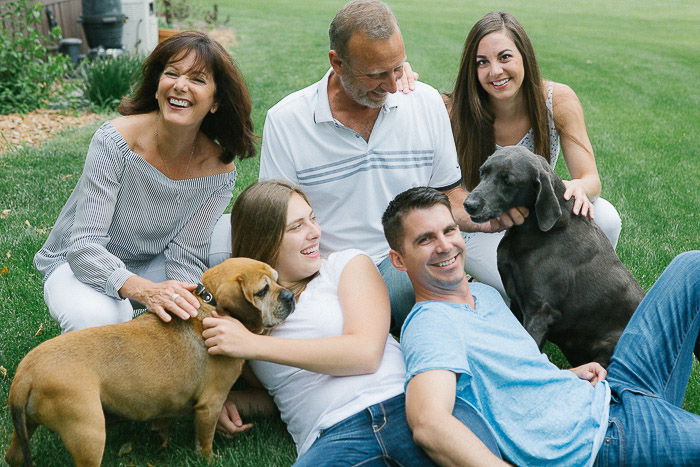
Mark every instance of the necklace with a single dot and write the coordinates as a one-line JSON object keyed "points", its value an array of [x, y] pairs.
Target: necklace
{"points": [[166, 166]]}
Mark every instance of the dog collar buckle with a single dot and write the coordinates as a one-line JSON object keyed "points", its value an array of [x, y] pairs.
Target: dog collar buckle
{"points": [[204, 294]]}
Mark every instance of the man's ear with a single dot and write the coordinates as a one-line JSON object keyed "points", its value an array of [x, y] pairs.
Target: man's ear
{"points": [[396, 260], [336, 62]]}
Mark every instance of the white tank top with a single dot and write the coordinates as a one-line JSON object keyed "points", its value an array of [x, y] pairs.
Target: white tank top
{"points": [[309, 402]]}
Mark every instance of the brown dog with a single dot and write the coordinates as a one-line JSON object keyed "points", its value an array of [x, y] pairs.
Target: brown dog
{"points": [[144, 369]]}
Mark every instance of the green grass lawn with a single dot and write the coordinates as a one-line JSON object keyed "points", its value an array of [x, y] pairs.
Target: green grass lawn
{"points": [[633, 67]]}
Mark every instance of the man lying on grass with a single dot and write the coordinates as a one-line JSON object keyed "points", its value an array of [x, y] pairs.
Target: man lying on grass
{"points": [[461, 342]]}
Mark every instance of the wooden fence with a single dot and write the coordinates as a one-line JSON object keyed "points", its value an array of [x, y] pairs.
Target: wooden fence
{"points": [[63, 13]]}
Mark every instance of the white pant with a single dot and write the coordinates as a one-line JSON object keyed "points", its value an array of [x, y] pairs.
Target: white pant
{"points": [[481, 247], [75, 305], [220, 245]]}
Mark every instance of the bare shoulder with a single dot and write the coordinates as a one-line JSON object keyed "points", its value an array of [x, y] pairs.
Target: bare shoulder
{"points": [[131, 126], [360, 281], [359, 268], [360, 262], [211, 162], [563, 94], [566, 108]]}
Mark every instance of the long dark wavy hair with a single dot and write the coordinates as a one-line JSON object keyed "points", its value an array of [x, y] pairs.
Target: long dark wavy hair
{"points": [[470, 115], [231, 125]]}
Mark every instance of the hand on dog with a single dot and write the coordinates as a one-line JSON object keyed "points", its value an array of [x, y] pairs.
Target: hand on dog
{"points": [[224, 335], [407, 82], [158, 297], [514, 216], [591, 372], [582, 205], [230, 423]]}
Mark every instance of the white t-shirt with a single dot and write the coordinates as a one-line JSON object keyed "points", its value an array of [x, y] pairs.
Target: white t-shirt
{"points": [[348, 180], [308, 401]]}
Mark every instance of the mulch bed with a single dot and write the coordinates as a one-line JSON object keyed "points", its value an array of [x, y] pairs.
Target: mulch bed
{"points": [[33, 128]]}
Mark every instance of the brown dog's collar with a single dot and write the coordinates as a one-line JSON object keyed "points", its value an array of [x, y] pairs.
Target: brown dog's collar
{"points": [[205, 295]]}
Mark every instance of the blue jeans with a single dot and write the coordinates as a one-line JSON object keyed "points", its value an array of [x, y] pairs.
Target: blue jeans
{"points": [[379, 436], [400, 293], [649, 371]]}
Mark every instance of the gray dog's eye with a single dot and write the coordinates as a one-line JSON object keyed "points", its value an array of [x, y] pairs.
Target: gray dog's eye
{"points": [[263, 291]]}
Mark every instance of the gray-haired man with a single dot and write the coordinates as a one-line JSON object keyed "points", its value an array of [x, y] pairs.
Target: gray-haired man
{"points": [[352, 143]]}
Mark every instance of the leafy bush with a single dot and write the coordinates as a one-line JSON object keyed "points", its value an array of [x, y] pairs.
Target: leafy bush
{"points": [[28, 74], [105, 80]]}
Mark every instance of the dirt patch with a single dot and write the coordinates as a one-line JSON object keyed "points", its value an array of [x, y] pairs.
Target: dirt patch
{"points": [[35, 127], [224, 36]]}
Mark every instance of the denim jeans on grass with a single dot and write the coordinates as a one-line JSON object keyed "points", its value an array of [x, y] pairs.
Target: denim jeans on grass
{"points": [[649, 371], [379, 436]]}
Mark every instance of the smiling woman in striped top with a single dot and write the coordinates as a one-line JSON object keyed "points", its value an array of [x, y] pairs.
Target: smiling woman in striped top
{"points": [[155, 181]]}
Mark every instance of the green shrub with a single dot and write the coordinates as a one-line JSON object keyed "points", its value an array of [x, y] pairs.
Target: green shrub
{"points": [[106, 80], [28, 74]]}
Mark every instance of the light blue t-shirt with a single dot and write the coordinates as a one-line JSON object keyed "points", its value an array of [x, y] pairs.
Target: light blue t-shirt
{"points": [[539, 413]]}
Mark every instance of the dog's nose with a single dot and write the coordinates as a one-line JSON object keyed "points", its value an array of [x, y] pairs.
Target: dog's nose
{"points": [[472, 204], [287, 299]]}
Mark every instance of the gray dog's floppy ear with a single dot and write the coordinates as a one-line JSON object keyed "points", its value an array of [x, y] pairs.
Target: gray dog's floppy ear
{"points": [[546, 205]]}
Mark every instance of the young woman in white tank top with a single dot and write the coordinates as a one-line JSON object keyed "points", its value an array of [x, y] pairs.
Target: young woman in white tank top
{"points": [[331, 367]]}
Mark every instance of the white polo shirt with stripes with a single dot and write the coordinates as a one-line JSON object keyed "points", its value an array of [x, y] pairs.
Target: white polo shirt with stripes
{"points": [[348, 180]]}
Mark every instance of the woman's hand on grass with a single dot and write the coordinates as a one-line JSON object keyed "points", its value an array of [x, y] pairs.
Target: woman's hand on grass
{"points": [[230, 423]]}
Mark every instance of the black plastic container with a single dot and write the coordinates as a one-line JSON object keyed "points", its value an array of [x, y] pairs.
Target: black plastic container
{"points": [[71, 46], [103, 23]]}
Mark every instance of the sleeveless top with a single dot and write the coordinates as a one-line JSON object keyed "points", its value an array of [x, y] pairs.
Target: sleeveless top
{"points": [[310, 402], [528, 140]]}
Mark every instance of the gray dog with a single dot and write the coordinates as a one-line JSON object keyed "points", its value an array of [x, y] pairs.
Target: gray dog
{"points": [[563, 278]]}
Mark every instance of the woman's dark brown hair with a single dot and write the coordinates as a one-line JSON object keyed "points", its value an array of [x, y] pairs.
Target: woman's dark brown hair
{"points": [[231, 125], [259, 221], [472, 120]]}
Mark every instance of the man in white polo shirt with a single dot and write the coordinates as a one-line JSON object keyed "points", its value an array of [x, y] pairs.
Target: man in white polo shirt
{"points": [[352, 143]]}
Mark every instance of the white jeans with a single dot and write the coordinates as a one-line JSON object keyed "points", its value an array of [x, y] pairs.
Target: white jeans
{"points": [[481, 247], [220, 244], [75, 305]]}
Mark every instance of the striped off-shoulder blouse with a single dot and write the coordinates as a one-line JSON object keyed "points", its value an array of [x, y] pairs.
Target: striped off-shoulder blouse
{"points": [[123, 212]]}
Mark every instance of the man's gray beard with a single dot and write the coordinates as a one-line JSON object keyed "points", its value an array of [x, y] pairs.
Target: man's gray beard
{"points": [[350, 86]]}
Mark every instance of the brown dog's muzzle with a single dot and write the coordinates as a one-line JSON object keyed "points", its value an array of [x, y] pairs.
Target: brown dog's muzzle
{"points": [[286, 305]]}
